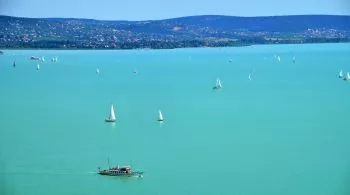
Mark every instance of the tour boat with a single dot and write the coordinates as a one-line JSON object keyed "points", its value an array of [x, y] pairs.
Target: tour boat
{"points": [[120, 171]]}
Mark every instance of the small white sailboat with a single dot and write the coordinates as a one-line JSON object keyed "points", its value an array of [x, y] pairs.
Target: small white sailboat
{"points": [[35, 58], [97, 71], [54, 59], [278, 58], [341, 74], [43, 59], [111, 117], [37, 67], [160, 117], [218, 84], [293, 59], [249, 77], [347, 77]]}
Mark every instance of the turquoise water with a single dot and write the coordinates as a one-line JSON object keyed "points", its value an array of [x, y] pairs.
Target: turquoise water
{"points": [[286, 131]]}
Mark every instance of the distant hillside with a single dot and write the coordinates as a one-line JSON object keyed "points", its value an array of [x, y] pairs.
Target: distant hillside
{"points": [[193, 31]]}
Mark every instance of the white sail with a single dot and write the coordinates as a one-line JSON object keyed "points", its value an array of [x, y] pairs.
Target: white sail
{"points": [[54, 59], [37, 66], [160, 118], [341, 74], [347, 77], [97, 70], [112, 115], [278, 58], [219, 84], [249, 77]]}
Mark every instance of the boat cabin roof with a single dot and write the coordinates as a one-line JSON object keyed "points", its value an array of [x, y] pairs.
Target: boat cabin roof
{"points": [[121, 168]]}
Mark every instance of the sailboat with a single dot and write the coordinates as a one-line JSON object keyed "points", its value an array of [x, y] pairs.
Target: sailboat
{"points": [[111, 117], [37, 67], [249, 77], [54, 59], [293, 59], [97, 71], [218, 84], [347, 77], [160, 117], [278, 58], [341, 74]]}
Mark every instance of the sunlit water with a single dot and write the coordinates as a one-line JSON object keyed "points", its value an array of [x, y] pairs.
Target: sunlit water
{"points": [[286, 131]]}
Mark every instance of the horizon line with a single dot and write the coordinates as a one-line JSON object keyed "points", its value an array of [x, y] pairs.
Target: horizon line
{"points": [[201, 15]]}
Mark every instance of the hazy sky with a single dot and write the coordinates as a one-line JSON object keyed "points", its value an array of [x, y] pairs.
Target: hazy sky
{"points": [[160, 9]]}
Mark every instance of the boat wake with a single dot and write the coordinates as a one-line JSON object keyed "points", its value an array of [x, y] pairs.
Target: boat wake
{"points": [[48, 173]]}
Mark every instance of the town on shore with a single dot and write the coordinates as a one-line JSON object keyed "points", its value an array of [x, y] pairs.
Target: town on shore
{"points": [[193, 31]]}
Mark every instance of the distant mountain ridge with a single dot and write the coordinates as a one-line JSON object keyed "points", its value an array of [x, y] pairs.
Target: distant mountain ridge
{"points": [[191, 31]]}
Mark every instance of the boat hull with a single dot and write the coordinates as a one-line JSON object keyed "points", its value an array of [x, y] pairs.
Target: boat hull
{"points": [[109, 120], [122, 174]]}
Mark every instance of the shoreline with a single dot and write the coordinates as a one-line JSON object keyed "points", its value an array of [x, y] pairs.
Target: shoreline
{"points": [[104, 49]]}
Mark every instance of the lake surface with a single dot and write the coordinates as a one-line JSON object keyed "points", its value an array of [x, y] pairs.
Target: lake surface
{"points": [[286, 131]]}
